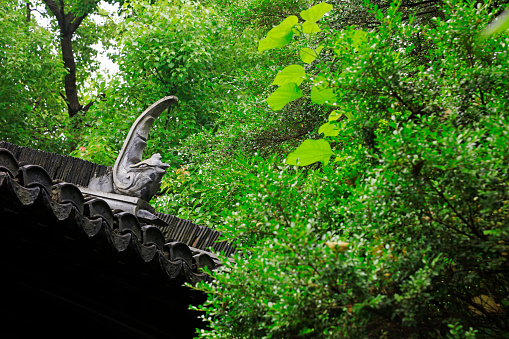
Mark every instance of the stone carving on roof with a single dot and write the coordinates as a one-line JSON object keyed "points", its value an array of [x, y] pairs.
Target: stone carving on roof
{"points": [[131, 175]]}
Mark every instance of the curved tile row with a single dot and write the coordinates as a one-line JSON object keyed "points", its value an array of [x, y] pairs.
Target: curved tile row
{"points": [[30, 187]]}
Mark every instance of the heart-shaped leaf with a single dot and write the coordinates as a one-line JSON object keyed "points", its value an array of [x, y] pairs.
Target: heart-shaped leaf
{"points": [[292, 73], [283, 95], [309, 152], [316, 12], [280, 35]]}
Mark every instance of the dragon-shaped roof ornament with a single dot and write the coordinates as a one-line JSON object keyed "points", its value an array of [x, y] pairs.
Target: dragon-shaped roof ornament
{"points": [[131, 175]]}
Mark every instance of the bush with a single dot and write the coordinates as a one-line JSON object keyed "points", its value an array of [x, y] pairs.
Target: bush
{"points": [[404, 233]]}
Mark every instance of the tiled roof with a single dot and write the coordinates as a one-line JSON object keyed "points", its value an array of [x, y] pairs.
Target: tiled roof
{"points": [[59, 167], [30, 191], [80, 172], [193, 235]]}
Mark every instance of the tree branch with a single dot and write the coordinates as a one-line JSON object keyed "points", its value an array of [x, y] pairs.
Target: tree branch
{"points": [[53, 7], [87, 106]]}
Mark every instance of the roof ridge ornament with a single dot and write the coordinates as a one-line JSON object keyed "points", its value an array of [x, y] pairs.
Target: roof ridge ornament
{"points": [[133, 181], [131, 175]]}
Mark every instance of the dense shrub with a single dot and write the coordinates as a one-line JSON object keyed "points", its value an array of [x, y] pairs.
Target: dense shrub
{"points": [[404, 232]]}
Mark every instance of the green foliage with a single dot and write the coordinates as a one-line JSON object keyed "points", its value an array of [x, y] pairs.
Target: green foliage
{"points": [[30, 106], [418, 190], [390, 220], [280, 35], [283, 95]]}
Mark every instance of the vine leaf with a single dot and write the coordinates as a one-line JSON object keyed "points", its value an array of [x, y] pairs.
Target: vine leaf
{"points": [[292, 73], [283, 95], [322, 96], [335, 115], [309, 152], [308, 55], [315, 13], [329, 130], [310, 27], [280, 35]]}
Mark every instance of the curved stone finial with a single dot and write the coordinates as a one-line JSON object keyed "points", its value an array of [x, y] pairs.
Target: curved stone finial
{"points": [[131, 175]]}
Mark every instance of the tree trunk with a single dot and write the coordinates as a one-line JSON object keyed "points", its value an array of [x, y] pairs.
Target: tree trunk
{"points": [[71, 92], [68, 24]]}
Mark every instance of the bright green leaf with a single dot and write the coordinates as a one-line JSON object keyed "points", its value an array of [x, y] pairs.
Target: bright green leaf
{"points": [[335, 115], [315, 13], [329, 130], [498, 26], [283, 95], [310, 27], [292, 73], [308, 55], [322, 96], [359, 37], [280, 35], [309, 152]]}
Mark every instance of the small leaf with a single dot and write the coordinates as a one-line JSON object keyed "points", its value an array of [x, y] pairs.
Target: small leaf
{"points": [[310, 27], [359, 37], [309, 152], [280, 35], [329, 130], [500, 25], [322, 96], [283, 95], [335, 115], [315, 13], [292, 73], [307, 55]]}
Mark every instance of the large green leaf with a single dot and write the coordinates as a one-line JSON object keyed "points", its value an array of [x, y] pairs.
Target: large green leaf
{"points": [[309, 152], [315, 13], [283, 95], [292, 73], [498, 26], [280, 35], [359, 37]]}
